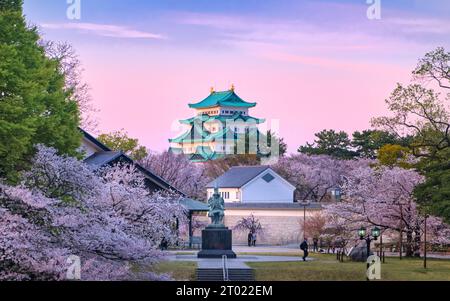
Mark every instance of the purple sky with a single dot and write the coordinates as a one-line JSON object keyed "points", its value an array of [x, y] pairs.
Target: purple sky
{"points": [[310, 65]]}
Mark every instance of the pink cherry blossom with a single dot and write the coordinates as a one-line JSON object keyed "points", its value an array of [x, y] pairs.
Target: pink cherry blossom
{"points": [[62, 207]]}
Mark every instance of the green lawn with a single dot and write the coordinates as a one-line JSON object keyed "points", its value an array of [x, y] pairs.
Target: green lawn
{"points": [[178, 270], [325, 267]]}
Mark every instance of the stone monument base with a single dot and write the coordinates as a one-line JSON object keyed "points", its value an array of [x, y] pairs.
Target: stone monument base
{"points": [[216, 242]]}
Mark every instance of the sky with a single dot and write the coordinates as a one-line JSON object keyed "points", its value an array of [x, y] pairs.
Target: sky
{"points": [[310, 65]]}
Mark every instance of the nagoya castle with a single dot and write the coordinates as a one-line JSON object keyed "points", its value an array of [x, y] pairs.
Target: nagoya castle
{"points": [[222, 126]]}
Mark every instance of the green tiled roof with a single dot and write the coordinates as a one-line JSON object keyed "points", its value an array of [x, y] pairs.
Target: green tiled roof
{"points": [[198, 134], [176, 150], [222, 118], [201, 155], [224, 98]]}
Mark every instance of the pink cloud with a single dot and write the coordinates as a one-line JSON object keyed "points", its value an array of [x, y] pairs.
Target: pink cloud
{"points": [[105, 30]]}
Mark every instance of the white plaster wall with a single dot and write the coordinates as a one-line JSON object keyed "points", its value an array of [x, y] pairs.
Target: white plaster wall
{"points": [[276, 191], [234, 194], [281, 227]]}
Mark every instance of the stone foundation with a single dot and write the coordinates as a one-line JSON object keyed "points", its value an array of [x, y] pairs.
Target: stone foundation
{"points": [[216, 242]]}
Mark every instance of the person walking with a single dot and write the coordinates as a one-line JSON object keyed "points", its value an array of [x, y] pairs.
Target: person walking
{"points": [[254, 239], [250, 239], [304, 248]]}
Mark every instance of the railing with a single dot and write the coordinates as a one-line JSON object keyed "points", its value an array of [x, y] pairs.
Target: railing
{"points": [[225, 267]]}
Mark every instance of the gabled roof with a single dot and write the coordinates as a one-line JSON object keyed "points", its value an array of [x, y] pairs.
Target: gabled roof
{"points": [[176, 150], [108, 157], [199, 134], [196, 133], [202, 157], [193, 205], [98, 160], [90, 138], [237, 176], [202, 153], [222, 118], [224, 98]]}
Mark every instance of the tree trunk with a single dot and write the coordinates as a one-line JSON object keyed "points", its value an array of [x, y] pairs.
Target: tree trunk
{"points": [[417, 242], [409, 243]]}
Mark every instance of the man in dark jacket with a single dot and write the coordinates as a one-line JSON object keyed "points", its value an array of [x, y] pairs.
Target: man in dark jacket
{"points": [[304, 248], [315, 244], [249, 237]]}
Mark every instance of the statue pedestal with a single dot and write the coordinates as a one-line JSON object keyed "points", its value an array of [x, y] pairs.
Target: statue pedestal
{"points": [[216, 242]]}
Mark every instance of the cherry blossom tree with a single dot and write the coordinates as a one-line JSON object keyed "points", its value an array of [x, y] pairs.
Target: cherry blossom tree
{"points": [[63, 208], [186, 176], [314, 176], [250, 224], [383, 197]]}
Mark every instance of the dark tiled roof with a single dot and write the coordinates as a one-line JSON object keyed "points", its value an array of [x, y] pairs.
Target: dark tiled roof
{"points": [[269, 206], [107, 157], [95, 141], [98, 160], [237, 176], [193, 205]]}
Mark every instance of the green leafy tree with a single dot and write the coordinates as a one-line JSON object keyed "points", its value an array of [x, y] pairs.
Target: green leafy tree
{"points": [[332, 143], [34, 106], [119, 141], [266, 144], [394, 155], [278, 140], [423, 113], [368, 142], [11, 5], [434, 193]]}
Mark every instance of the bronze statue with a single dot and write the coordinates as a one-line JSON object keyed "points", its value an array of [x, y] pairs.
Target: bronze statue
{"points": [[216, 209]]}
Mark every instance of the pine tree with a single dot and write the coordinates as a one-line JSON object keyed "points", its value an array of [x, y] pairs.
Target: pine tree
{"points": [[12, 5], [34, 108]]}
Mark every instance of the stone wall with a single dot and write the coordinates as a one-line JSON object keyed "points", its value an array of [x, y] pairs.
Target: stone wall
{"points": [[281, 227], [278, 230]]}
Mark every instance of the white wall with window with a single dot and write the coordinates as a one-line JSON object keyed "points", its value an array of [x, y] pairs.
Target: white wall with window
{"points": [[228, 194]]}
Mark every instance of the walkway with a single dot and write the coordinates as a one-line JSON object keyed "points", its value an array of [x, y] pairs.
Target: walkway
{"points": [[235, 263]]}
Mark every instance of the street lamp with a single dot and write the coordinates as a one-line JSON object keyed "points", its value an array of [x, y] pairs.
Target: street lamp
{"points": [[362, 232], [375, 233], [425, 244], [337, 193], [304, 203]]}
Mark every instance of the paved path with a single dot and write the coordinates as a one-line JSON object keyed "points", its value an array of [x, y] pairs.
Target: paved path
{"points": [[294, 250], [268, 249], [235, 263], [429, 255]]}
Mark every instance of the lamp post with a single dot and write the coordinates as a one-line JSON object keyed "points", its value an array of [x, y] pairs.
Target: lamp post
{"points": [[304, 203], [401, 231], [425, 244], [375, 233]]}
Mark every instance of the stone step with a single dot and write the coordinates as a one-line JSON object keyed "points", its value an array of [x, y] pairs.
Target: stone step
{"points": [[217, 275]]}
